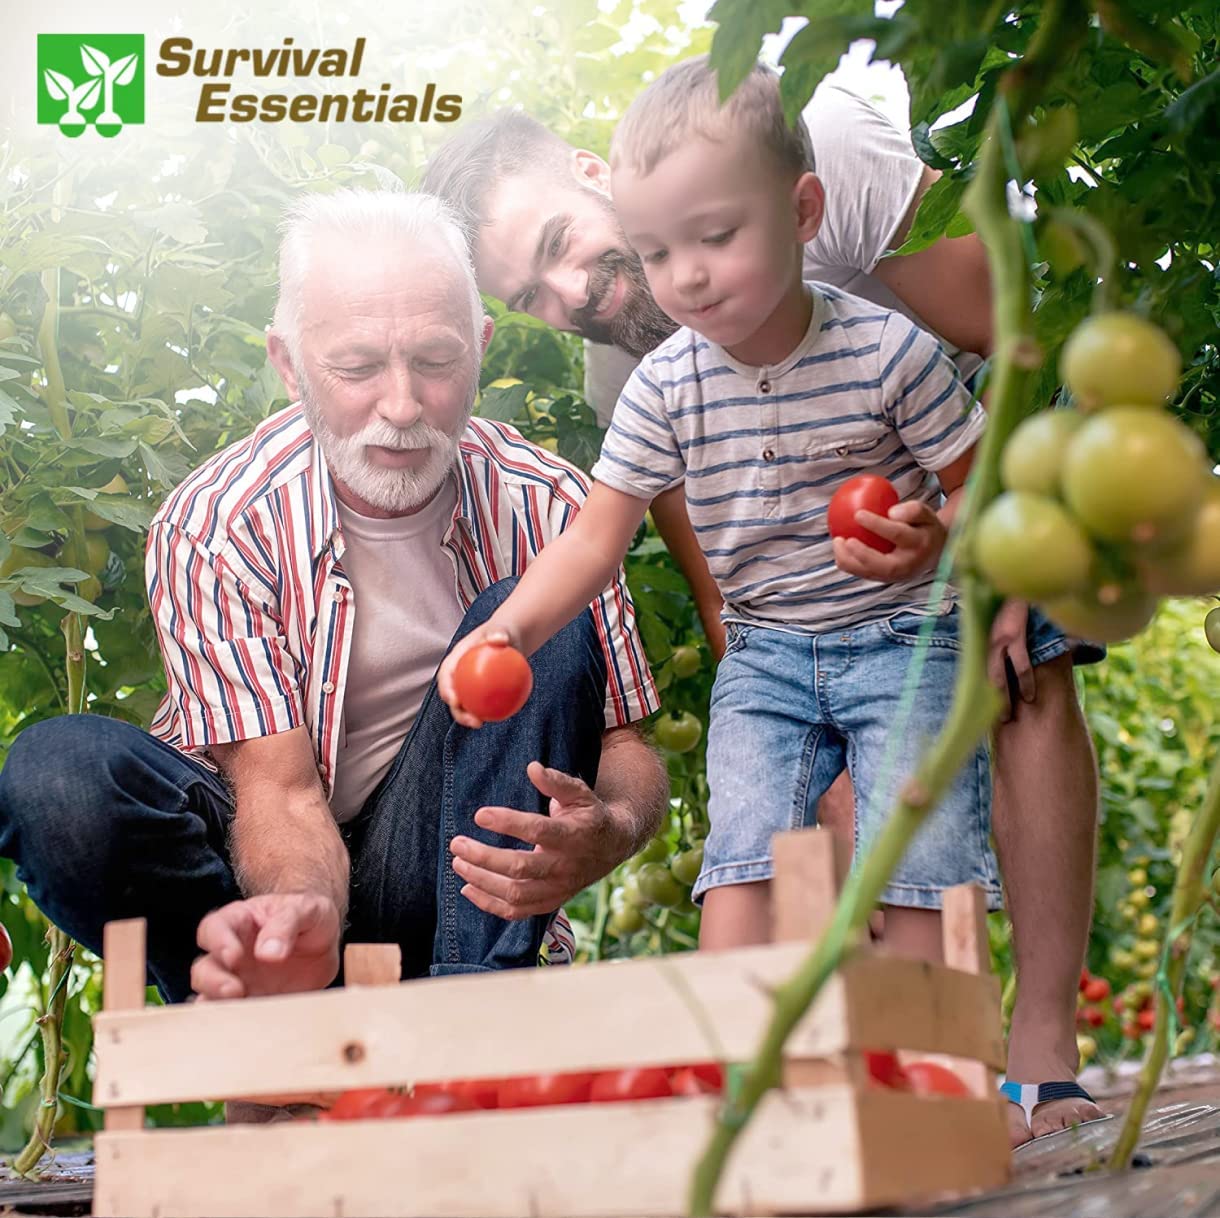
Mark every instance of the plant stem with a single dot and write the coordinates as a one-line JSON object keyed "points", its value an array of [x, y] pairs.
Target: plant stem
{"points": [[976, 704], [50, 1024], [1189, 895]]}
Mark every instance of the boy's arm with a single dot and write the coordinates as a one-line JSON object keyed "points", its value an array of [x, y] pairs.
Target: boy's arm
{"points": [[569, 572]]}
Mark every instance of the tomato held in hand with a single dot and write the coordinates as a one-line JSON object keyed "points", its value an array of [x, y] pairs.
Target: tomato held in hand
{"points": [[931, 1078], [865, 492], [542, 1090], [616, 1086], [493, 682], [6, 949]]}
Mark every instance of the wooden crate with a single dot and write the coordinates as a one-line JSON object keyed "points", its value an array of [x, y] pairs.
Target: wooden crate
{"points": [[829, 1141]]}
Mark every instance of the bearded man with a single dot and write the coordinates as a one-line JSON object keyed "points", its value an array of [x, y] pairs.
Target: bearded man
{"points": [[301, 784]]}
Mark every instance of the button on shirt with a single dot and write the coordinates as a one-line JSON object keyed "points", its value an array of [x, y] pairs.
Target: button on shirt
{"points": [[253, 608], [762, 450]]}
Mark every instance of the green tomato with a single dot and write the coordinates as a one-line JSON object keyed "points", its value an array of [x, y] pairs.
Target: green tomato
{"points": [[1029, 547], [1033, 456], [18, 558], [1192, 568], [1134, 475], [1087, 617], [686, 866], [1211, 628], [678, 733], [658, 885], [1119, 359], [625, 920], [631, 891], [655, 851], [686, 661]]}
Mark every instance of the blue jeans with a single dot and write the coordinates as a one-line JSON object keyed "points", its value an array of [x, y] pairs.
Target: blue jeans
{"points": [[105, 822], [790, 711]]}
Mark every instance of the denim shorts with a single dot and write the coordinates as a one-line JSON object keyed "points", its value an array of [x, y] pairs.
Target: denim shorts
{"points": [[1046, 641], [790, 711]]}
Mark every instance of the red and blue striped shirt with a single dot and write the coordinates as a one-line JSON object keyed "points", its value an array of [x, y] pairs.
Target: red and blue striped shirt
{"points": [[253, 610]]}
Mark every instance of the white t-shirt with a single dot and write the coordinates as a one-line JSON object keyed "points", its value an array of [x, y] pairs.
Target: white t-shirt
{"points": [[408, 610], [870, 174]]}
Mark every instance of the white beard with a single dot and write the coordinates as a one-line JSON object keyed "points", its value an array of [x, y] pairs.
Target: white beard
{"points": [[391, 490]]}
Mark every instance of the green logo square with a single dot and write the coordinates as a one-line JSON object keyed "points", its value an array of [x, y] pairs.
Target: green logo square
{"points": [[93, 79]]}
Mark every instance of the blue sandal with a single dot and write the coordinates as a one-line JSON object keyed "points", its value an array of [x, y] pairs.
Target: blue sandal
{"points": [[1027, 1096]]}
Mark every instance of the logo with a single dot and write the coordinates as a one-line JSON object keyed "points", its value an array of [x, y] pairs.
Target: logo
{"points": [[93, 79]]}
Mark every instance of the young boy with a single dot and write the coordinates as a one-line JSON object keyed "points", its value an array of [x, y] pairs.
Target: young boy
{"points": [[770, 397]]}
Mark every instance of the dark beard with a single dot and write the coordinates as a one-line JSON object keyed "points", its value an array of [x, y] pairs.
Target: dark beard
{"points": [[639, 326]]}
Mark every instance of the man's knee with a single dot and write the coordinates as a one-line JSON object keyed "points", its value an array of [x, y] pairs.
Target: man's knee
{"points": [[56, 781]]}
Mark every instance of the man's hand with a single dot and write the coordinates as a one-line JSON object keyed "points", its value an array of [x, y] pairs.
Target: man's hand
{"points": [[575, 846], [445, 686], [915, 529], [278, 943], [1008, 642]]}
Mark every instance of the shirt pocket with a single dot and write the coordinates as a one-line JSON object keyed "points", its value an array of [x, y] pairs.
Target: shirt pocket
{"points": [[857, 450]]}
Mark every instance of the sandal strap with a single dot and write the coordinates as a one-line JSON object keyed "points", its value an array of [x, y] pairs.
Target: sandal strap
{"points": [[1027, 1096]]}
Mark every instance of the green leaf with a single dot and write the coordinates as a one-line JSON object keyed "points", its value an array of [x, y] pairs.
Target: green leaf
{"points": [[503, 403], [937, 212], [134, 514], [741, 25]]}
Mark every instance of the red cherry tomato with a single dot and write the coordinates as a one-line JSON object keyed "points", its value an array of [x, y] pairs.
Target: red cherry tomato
{"points": [[701, 1078], [865, 492], [479, 1092], [931, 1078], [493, 682], [1146, 1019], [886, 1069], [540, 1090], [363, 1104], [1093, 1016], [1085, 978], [615, 1086], [1097, 989], [6, 949]]}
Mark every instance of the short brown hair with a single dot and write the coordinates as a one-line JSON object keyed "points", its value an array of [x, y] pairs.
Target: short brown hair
{"points": [[464, 170], [685, 100]]}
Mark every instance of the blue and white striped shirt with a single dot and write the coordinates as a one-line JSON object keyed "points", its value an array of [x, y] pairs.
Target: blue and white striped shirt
{"points": [[762, 450]]}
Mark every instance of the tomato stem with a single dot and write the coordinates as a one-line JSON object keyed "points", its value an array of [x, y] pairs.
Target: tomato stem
{"points": [[1189, 896]]}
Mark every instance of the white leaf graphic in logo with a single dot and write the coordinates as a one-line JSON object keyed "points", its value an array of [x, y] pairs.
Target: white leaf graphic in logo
{"points": [[125, 69], [87, 94], [95, 61], [58, 85]]}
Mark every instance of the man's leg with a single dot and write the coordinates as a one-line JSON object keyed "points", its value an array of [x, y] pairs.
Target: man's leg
{"points": [[1045, 823], [404, 887], [104, 822]]}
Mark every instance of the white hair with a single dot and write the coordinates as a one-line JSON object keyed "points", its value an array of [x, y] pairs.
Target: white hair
{"points": [[385, 215]]}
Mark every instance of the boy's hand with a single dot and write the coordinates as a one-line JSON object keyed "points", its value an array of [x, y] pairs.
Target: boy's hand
{"points": [[918, 536], [497, 636]]}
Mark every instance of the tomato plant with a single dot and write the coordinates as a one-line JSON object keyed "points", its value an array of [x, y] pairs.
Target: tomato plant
{"points": [[863, 493], [493, 681], [636, 1083]]}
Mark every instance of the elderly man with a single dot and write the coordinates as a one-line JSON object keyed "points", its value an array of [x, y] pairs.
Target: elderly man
{"points": [[546, 241], [302, 784]]}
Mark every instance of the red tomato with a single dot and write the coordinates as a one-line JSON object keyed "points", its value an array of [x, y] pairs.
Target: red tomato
{"points": [[6, 949], [886, 1069], [493, 682], [1097, 989], [931, 1078], [540, 1090], [867, 492], [1146, 1019], [702, 1078], [1085, 978], [614, 1086], [431, 1103], [363, 1104], [1093, 1016], [480, 1092]]}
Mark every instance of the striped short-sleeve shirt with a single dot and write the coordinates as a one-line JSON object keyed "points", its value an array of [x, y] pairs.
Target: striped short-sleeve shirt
{"points": [[762, 450]]}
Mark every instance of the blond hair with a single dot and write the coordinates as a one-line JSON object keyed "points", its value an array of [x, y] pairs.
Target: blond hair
{"points": [[684, 101]]}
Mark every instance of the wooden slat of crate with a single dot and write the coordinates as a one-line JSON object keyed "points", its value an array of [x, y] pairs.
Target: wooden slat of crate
{"points": [[646, 1012], [803, 1153]]}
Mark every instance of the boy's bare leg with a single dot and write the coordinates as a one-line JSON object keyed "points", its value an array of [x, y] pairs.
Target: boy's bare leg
{"points": [[1045, 822], [915, 933], [736, 915]]}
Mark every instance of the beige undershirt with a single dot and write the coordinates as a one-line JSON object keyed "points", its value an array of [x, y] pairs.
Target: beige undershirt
{"points": [[406, 611]]}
